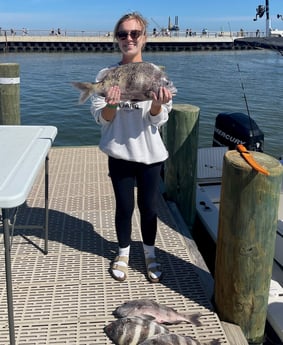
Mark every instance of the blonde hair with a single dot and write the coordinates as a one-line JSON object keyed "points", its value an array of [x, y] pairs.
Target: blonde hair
{"points": [[134, 15]]}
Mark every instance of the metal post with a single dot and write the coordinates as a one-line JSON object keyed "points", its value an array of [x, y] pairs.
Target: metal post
{"points": [[7, 246], [268, 26], [46, 204]]}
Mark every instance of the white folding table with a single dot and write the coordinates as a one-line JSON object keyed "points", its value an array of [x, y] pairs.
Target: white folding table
{"points": [[23, 152]]}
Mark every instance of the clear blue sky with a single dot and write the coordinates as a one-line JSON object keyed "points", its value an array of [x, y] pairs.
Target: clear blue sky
{"points": [[92, 15]]}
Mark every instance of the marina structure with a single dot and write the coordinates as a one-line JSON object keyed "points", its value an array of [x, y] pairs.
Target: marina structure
{"points": [[42, 41]]}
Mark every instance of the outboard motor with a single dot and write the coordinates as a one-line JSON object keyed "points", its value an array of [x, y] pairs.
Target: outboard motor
{"points": [[232, 129]]}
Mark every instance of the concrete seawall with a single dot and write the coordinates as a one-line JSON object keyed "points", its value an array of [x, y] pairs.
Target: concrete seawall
{"points": [[61, 43]]}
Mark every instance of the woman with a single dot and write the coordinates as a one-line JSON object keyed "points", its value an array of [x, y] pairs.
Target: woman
{"points": [[131, 139]]}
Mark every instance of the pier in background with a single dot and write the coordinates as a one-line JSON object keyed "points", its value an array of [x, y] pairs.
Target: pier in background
{"points": [[82, 41]]}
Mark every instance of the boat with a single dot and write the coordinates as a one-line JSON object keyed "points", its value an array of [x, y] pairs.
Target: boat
{"points": [[209, 174]]}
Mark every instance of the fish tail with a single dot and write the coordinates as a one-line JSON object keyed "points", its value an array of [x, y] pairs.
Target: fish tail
{"points": [[87, 89], [194, 318]]}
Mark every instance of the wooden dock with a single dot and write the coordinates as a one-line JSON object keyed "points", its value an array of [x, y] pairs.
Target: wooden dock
{"points": [[68, 296]]}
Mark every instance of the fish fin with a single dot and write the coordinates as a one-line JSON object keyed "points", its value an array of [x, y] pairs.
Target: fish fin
{"points": [[149, 94], [116, 313], [147, 317], [87, 89]]}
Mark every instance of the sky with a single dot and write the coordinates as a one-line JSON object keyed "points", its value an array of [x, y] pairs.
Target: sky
{"points": [[92, 15]]}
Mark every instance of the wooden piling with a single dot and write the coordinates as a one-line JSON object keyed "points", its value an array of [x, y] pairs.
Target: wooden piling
{"points": [[9, 94], [181, 138], [247, 227]]}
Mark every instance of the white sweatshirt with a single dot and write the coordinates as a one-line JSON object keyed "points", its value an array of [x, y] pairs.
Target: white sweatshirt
{"points": [[133, 134]]}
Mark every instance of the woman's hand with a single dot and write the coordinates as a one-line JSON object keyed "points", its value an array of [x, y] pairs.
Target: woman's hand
{"points": [[113, 95], [112, 99], [164, 96]]}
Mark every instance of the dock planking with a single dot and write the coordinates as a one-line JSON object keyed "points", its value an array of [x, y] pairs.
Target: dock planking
{"points": [[68, 295]]}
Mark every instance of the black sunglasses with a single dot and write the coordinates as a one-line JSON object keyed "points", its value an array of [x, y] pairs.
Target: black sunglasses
{"points": [[135, 34]]}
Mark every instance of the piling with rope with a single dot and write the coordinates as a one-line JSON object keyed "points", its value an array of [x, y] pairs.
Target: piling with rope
{"points": [[9, 94], [247, 228], [181, 138]]}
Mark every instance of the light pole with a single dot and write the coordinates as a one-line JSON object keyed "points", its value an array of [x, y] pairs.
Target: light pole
{"points": [[268, 24]]}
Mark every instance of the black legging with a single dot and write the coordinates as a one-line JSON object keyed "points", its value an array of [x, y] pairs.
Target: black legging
{"points": [[124, 176]]}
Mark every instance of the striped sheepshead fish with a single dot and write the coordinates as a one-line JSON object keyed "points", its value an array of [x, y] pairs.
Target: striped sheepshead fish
{"points": [[175, 339], [133, 330], [137, 81], [159, 312]]}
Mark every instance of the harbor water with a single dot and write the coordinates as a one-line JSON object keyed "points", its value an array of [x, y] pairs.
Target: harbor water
{"points": [[216, 81]]}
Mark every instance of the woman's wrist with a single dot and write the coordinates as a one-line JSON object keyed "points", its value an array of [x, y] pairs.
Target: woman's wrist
{"points": [[109, 111], [155, 109], [111, 106]]}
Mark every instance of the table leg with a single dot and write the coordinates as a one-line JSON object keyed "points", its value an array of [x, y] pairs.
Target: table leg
{"points": [[46, 204], [7, 246]]}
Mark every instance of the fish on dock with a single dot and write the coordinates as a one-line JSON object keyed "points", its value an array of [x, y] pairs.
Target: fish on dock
{"points": [[137, 81], [158, 312], [133, 330], [175, 339]]}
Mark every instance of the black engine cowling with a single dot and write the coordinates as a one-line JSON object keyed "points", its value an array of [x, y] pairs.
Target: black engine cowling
{"points": [[232, 129]]}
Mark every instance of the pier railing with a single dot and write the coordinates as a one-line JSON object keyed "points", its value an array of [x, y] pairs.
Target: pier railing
{"points": [[97, 41], [89, 33]]}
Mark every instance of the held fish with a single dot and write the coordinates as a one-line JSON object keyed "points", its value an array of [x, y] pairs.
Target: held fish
{"points": [[175, 339], [137, 81], [160, 313], [133, 330]]}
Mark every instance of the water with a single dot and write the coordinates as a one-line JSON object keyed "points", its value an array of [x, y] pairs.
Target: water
{"points": [[210, 80]]}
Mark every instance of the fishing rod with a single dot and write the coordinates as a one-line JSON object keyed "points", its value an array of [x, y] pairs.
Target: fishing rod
{"points": [[244, 93], [242, 85], [246, 101]]}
